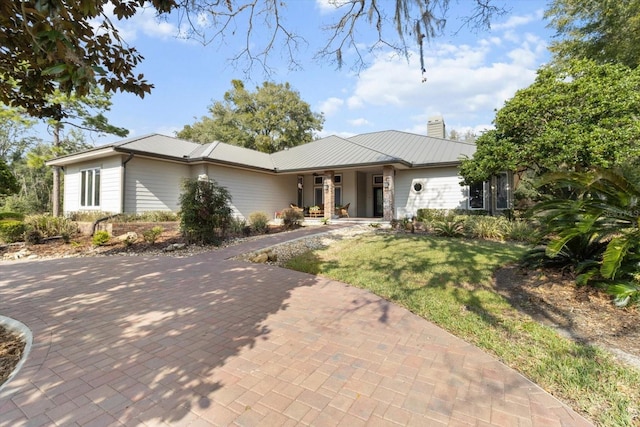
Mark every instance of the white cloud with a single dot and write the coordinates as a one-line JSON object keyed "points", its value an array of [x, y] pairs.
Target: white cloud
{"points": [[464, 83], [144, 21], [331, 106], [518, 21], [359, 122], [328, 6]]}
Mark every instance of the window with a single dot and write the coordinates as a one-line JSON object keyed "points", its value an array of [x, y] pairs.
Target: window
{"points": [[318, 196], [338, 196], [502, 191], [90, 188], [476, 196], [318, 180], [377, 180], [337, 179]]}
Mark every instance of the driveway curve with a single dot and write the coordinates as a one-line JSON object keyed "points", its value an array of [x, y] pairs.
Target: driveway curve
{"points": [[210, 341]]}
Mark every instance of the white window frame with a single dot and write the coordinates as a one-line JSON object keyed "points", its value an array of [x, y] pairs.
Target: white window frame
{"points": [[90, 187]]}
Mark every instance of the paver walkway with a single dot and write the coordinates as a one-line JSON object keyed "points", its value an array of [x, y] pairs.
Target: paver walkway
{"points": [[207, 341]]}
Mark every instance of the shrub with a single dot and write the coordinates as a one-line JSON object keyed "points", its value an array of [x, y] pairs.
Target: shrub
{"points": [[11, 215], [150, 236], [486, 227], [521, 231], [88, 216], [205, 213], [33, 237], [259, 222], [11, 230], [237, 226], [50, 226], [291, 218], [449, 227], [100, 238]]}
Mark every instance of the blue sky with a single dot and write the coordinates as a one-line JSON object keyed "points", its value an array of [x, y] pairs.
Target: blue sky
{"points": [[469, 73]]}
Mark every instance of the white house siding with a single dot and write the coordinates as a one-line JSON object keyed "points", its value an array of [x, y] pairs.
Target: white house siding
{"points": [[252, 191], [110, 178], [153, 185], [441, 190]]}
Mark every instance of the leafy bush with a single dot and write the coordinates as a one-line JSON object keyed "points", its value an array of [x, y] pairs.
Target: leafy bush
{"points": [[237, 226], [33, 237], [205, 212], [449, 227], [100, 238], [486, 227], [521, 231], [291, 218], [596, 222], [11, 215], [150, 236], [50, 226], [259, 222], [11, 230]]}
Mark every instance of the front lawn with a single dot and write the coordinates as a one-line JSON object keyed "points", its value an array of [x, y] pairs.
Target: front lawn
{"points": [[450, 282]]}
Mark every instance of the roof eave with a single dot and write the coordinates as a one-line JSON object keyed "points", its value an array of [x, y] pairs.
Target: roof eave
{"points": [[81, 157]]}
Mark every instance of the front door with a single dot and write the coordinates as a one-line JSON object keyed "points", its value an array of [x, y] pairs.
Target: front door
{"points": [[378, 202]]}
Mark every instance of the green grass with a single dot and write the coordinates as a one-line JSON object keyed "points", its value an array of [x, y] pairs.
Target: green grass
{"points": [[449, 282]]}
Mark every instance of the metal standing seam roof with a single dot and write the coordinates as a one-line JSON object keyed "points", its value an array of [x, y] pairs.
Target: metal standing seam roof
{"points": [[330, 152], [416, 149]]}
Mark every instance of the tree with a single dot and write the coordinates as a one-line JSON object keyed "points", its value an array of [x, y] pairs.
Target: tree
{"points": [[82, 112], [8, 183], [571, 118], [14, 134], [270, 119], [605, 31], [35, 179], [74, 46]]}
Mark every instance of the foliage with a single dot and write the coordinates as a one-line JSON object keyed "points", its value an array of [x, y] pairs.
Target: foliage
{"points": [[205, 212], [486, 227], [450, 282], [148, 216], [88, 216], [33, 237], [597, 225], [100, 238], [35, 178], [291, 218], [521, 231], [11, 230], [270, 119], [604, 31], [238, 226], [14, 134], [8, 182], [571, 118], [259, 222], [12, 215], [51, 226], [151, 235], [74, 47], [453, 227]]}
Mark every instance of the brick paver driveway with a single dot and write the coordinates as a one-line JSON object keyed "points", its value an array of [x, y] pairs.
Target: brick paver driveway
{"points": [[206, 340]]}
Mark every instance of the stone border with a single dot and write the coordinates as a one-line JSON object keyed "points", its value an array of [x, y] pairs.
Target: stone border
{"points": [[23, 332]]}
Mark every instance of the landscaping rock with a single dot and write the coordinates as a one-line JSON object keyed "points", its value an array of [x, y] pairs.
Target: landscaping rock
{"points": [[261, 258], [131, 236]]}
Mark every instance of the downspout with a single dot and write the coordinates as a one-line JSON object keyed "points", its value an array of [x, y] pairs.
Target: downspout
{"points": [[124, 180]]}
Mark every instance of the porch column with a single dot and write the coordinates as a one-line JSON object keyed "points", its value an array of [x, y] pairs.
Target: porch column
{"points": [[329, 194], [388, 193]]}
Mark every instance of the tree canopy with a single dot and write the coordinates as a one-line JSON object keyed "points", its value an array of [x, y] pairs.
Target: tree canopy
{"points": [[605, 31], [73, 46], [570, 118], [270, 119]]}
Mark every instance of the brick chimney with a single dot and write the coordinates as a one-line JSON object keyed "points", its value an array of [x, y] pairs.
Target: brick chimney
{"points": [[436, 128]]}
